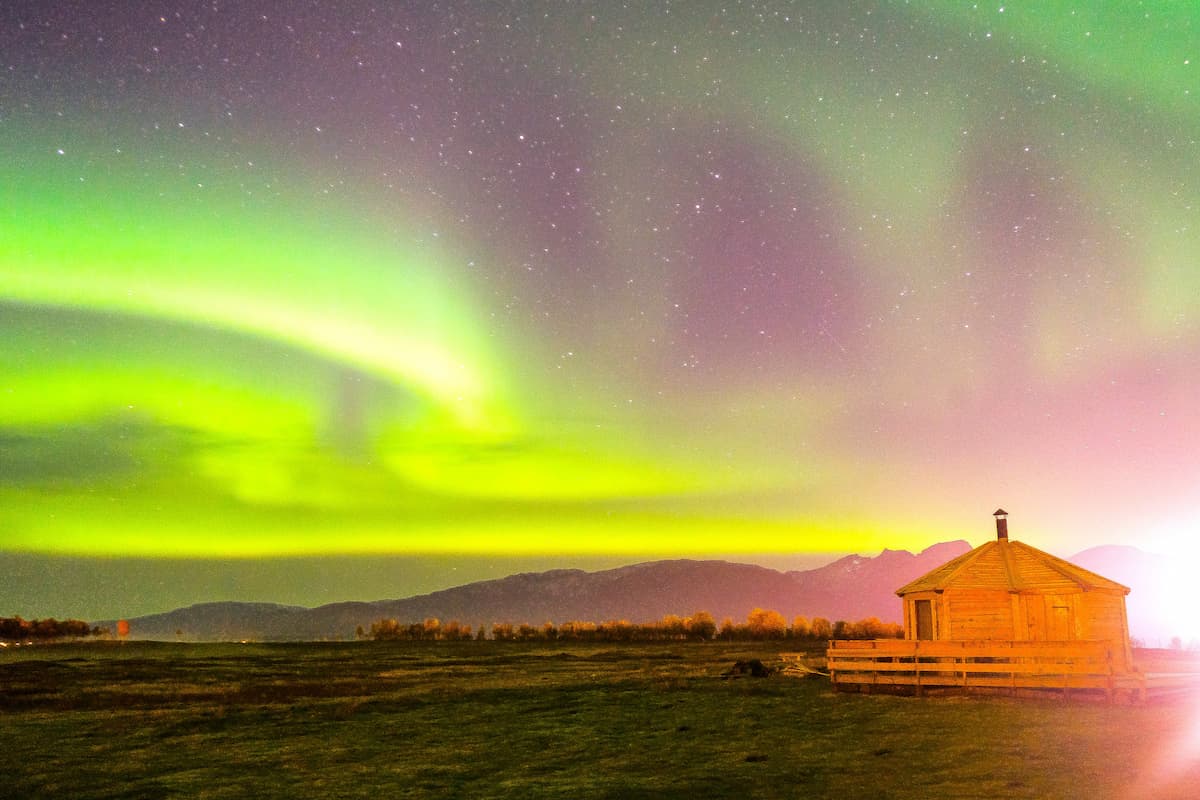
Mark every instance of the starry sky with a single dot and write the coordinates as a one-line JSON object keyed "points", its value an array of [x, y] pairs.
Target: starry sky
{"points": [[519, 283]]}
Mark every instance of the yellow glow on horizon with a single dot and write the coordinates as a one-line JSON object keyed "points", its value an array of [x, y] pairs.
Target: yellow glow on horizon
{"points": [[83, 525]]}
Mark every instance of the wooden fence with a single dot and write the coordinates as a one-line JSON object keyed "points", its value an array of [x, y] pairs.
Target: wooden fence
{"points": [[913, 666]]}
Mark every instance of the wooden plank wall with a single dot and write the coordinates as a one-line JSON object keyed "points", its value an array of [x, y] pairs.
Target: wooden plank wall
{"points": [[979, 614], [1102, 616]]}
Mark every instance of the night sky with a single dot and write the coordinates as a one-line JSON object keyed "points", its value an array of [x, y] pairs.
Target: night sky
{"points": [[504, 284]]}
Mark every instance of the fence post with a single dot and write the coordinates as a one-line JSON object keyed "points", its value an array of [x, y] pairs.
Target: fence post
{"points": [[1109, 690], [917, 667]]}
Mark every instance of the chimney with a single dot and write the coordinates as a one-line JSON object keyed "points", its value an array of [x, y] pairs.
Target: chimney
{"points": [[1001, 524]]}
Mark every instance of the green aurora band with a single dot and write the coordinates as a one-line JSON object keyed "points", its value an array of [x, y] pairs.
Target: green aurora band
{"points": [[204, 353]]}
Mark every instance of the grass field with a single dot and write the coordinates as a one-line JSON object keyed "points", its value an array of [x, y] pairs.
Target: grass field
{"points": [[486, 719]]}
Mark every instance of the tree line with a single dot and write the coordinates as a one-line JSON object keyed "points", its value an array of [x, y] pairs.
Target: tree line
{"points": [[760, 625], [17, 629]]}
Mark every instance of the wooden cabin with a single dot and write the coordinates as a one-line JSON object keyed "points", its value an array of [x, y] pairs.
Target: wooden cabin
{"points": [[1003, 616], [1009, 591]]}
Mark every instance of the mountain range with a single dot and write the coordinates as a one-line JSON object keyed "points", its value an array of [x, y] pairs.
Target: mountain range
{"points": [[850, 588]]}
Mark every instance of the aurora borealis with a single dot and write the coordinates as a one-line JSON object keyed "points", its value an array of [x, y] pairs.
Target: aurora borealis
{"points": [[527, 280]]}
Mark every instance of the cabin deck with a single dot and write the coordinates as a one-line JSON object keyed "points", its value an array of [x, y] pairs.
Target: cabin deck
{"points": [[1072, 667]]}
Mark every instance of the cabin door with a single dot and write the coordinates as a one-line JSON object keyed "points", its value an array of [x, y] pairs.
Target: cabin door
{"points": [[1036, 618], [1060, 623], [924, 609]]}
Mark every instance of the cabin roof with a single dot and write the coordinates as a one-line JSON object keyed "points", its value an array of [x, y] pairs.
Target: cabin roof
{"points": [[1010, 566]]}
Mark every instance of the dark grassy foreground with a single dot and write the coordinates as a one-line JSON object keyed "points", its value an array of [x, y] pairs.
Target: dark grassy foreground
{"points": [[469, 719]]}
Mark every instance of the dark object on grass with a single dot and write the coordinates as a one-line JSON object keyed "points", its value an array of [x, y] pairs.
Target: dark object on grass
{"points": [[755, 757], [752, 668]]}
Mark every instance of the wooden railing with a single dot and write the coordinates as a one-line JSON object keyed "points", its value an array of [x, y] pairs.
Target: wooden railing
{"points": [[1093, 665]]}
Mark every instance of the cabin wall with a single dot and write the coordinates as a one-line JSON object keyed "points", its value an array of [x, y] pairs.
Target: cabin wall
{"points": [[1049, 617], [1001, 615], [1102, 616], [978, 614]]}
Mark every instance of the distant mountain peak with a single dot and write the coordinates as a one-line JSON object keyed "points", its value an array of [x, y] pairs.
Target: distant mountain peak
{"points": [[949, 549]]}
